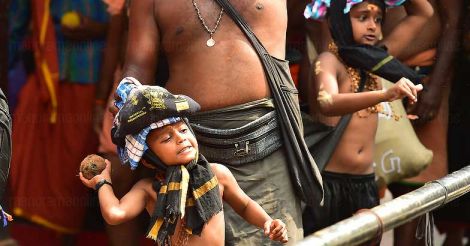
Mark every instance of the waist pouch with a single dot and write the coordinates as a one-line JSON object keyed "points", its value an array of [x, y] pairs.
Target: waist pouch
{"points": [[248, 143]]}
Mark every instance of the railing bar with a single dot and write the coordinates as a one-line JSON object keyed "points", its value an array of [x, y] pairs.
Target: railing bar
{"points": [[363, 227]]}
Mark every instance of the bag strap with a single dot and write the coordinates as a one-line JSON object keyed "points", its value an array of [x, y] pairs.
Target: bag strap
{"points": [[307, 177], [259, 47]]}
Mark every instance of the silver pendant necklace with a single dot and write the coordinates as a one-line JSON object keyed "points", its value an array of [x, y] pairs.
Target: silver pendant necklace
{"points": [[210, 42]]}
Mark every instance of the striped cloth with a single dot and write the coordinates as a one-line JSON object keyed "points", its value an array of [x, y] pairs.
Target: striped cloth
{"points": [[143, 108], [189, 192], [136, 145]]}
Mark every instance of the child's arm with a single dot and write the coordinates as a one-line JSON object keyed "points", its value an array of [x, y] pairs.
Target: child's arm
{"points": [[402, 35], [117, 211], [249, 209], [333, 103]]}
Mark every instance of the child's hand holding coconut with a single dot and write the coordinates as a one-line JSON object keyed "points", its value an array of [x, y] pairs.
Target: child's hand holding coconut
{"points": [[95, 172]]}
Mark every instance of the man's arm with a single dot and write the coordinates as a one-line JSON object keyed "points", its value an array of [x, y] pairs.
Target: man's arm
{"points": [[419, 12], [442, 74], [248, 209], [111, 59], [117, 211], [333, 103], [143, 42]]}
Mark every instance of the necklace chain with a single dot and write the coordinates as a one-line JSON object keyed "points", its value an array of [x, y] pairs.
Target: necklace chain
{"points": [[372, 84], [203, 23]]}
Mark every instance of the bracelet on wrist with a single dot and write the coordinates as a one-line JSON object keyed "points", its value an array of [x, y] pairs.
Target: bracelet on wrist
{"points": [[101, 183]]}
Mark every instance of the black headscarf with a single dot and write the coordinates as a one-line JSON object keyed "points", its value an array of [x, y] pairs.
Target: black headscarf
{"points": [[374, 59]]}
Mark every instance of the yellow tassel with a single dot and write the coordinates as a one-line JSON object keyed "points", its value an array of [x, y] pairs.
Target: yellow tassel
{"points": [[153, 233], [184, 189]]}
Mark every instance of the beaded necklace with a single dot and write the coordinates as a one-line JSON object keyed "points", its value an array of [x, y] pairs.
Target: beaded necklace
{"points": [[372, 84]]}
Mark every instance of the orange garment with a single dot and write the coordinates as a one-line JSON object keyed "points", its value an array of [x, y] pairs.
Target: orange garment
{"points": [[52, 132], [433, 134], [294, 73], [44, 185], [45, 54]]}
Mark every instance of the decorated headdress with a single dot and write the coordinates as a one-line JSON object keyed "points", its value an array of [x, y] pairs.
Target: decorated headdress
{"points": [[142, 109], [189, 191], [374, 59]]}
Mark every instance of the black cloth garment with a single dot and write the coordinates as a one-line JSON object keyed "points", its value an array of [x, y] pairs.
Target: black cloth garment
{"points": [[200, 200], [345, 194], [148, 105], [374, 59]]}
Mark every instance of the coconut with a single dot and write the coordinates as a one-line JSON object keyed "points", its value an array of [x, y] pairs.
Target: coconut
{"points": [[92, 165]]}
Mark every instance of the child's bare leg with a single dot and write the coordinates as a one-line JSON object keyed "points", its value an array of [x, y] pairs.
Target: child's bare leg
{"points": [[123, 178]]}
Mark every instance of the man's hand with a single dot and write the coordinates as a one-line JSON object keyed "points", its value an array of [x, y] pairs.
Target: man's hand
{"points": [[427, 107], [276, 230], [87, 30], [403, 88], [105, 174]]}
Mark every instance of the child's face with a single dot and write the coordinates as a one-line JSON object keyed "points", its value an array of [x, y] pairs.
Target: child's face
{"points": [[366, 20], [174, 144]]}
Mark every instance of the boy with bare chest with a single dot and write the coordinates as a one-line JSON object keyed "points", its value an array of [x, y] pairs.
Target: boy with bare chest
{"points": [[185, 197], [349, 179], [211, 61]]}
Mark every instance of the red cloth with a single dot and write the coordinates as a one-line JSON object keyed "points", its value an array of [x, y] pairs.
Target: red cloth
{"points": [[45, 54], [44, 185]]}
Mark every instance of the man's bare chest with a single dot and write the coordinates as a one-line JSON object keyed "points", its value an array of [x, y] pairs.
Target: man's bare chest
{"points": [[187, 18]]}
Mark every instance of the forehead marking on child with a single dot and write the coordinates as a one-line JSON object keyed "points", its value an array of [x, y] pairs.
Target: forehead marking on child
{"points": [[373, 8]]}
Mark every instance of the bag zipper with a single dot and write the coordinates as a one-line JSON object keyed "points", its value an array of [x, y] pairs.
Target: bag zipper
{"points": [[239, 134], [229, 146]]}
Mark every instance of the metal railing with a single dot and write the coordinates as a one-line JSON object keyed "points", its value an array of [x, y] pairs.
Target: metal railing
{"points": [[365, 226]]}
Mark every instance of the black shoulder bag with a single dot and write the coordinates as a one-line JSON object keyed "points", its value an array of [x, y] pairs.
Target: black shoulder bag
{"points": [[304, 172]]}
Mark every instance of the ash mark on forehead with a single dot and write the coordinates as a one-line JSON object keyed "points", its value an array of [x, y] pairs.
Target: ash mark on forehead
{"points": [[259, 6]]}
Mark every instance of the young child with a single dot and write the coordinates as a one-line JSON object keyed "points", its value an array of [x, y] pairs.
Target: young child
{"points": [[185, 197], [348, 177]]}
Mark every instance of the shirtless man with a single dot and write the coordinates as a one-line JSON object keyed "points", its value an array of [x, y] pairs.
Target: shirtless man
{"points": [[226, 74], [431, 54]]}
